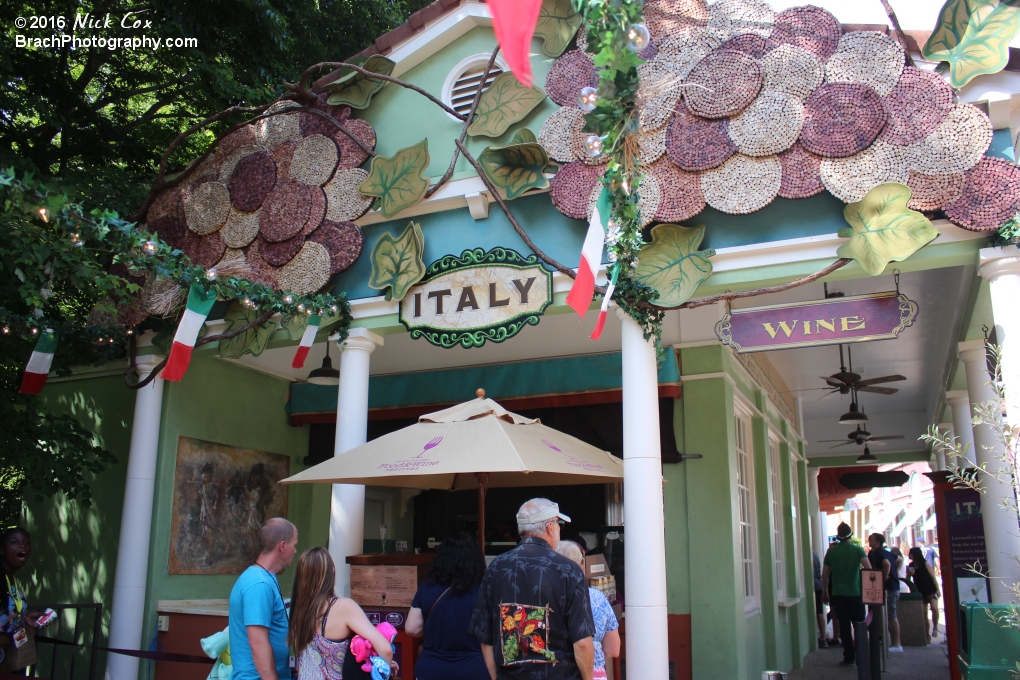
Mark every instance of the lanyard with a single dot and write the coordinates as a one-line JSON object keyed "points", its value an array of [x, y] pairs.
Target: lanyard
{"points": [[278, 589], [19, 602]]}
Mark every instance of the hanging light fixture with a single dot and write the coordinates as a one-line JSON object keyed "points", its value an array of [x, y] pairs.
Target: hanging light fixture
{"points": [[325, 374], [866, 458], [854, 416]]}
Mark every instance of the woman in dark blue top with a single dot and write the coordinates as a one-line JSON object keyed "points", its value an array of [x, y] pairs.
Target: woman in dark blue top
{"points": [[441, 610]]}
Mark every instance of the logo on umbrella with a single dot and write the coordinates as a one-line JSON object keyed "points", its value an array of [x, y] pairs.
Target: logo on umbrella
{"points": [[409, 464], [575, 462]]}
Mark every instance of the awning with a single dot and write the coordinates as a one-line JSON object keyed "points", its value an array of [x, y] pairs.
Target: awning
{"points": [[915, 513], [887, 517], [929, 524]]}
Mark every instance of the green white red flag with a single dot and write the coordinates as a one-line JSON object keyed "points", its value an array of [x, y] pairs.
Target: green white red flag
{"points": [[514, 24], [583, 290], [39, 363], [200, 303], [307, 340]]}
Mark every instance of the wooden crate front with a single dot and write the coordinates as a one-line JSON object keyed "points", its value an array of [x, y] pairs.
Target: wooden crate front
{"points": [[383, 585]]}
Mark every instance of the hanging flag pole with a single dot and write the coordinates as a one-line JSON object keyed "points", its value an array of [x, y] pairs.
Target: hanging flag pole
{"points": [[610, 287], [583, 291], [307, 340], [39, 363], [200, 303]]}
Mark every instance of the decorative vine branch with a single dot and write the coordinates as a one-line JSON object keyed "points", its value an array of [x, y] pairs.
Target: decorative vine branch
{"points": [[900, 35], [467, 123], [302, 91]]}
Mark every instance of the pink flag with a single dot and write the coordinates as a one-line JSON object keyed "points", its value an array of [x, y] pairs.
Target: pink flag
{"points": [[514, 23]]}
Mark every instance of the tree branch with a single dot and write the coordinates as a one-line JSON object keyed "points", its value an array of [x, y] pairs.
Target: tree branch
{"points": [[302, 91], [467, 123], [900, 35]]}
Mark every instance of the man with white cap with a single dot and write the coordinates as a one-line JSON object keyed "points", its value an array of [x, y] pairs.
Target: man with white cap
{"points": [[533, 617]]}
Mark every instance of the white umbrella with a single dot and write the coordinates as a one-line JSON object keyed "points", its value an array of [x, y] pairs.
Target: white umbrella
{"points": [[476, 443]]}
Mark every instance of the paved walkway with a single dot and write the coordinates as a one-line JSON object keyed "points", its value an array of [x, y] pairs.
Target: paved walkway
{"points": [[915, 663]]}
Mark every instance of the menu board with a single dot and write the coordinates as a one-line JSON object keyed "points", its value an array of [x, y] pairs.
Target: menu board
{"points": [[966, 542], [872, 586]]}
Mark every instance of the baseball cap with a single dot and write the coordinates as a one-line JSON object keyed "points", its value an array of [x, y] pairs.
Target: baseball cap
{"points": [[844, 531], [541, 510]]}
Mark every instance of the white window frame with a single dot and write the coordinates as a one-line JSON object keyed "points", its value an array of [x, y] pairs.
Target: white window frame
{"points": [[746, 512], [460, 68], [776, 506], [795, 510]]}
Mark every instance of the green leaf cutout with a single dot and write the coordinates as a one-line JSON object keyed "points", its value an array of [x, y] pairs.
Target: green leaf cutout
{"points": [[295, 325], [505, 102], [885, 230], [672, 264], [356, 89], [397, 263], [973, 36], [523, 136], [515, 168], [398, 181], [557, 24], [253, 340]]}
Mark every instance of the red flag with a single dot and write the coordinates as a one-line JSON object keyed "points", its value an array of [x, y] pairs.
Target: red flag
{"points": [[514, 23]]}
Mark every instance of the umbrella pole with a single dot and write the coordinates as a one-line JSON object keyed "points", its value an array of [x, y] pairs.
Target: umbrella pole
{"points": [[483, 483]]}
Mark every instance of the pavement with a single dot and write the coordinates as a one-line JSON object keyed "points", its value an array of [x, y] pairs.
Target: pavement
{"points": [[915, 663]]}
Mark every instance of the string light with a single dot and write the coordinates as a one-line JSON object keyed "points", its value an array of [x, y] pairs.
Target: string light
{"points": [[588, 100], [593, 146], [150, 247], [7, 330], [301, 308], [76, 240], [638, 37], [44, 214], [211, 274], [34, 331], [289, 299]]}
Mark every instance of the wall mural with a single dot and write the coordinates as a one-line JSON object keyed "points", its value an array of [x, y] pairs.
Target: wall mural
{"points": [[222, 496]]}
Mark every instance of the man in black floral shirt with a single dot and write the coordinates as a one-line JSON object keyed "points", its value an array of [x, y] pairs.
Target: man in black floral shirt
{"points": [[533, 616]]}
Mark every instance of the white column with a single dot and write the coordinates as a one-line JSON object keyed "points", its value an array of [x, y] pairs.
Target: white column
{"points": [[959, 403], [645, 547], [126, 617], [817, 522], [347, 506], [1002, 536], [1001, 267], [941, 460]]}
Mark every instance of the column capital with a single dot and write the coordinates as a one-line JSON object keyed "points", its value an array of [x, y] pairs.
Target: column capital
{"points": [[145, 363], [1000, 261], [362, 339], [971, 350], [957, 397]]}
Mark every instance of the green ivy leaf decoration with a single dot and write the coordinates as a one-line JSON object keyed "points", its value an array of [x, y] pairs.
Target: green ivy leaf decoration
{"points": [[397, 262], [885, 230], [515, 168], [672, 264], [523, 136], [973, 36], [253, 341], [295, 325], [398, 181], [356, 89], [557, 24], [505, 102]]}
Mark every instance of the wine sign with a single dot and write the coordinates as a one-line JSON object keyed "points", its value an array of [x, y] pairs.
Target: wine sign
{"points": [[833, 321], [476, 297]]}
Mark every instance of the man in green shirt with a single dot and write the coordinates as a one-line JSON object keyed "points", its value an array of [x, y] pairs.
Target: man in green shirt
{"points": [[842, 566]]}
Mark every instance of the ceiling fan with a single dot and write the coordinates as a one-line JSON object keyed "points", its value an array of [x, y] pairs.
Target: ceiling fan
{"points": [[845, 381], [859, 437]]}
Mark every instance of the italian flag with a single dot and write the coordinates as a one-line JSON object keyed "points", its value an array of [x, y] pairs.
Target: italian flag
{"points": [[39, 364], [610, 287], [583, 290], [200, 303], [307, 340], [513, 22]]}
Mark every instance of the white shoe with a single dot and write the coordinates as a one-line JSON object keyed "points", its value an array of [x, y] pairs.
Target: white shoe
{"points": [[896, 649]]}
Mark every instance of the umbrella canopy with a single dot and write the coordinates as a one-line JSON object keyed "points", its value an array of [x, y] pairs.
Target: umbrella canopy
{"points": [[450, 448]]}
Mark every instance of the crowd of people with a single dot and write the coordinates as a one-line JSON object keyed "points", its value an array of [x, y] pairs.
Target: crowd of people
{"points": [[838, 584], [529, 615]]}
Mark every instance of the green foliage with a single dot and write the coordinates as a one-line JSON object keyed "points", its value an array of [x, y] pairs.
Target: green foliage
{"points": [[884, 229], [295, 325], [523, 136], [973, 37], [672, 263], [356, 89], [557, 24], [505, 102], [398, 181], [516, 168], [252, 341], [1008, 234], [397, 262]]}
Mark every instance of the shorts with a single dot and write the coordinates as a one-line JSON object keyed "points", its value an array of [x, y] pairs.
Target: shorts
{"points": [[892, 598], [819, 607]]}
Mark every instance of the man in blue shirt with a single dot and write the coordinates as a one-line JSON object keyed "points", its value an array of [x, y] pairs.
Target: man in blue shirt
{"points": [[258, 617]]}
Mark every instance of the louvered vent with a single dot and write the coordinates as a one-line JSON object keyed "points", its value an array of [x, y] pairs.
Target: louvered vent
{"points": [[464, 89]]}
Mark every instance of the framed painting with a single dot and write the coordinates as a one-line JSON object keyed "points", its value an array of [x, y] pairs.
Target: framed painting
{"points": [[222, 496]]}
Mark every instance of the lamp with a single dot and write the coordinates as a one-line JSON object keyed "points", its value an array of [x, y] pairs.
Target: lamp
{"points": [[854, 416], [866, 458], [325, 374]]}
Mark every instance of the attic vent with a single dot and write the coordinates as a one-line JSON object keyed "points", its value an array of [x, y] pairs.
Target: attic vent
{"points": [[463, 82], [465, 87]]}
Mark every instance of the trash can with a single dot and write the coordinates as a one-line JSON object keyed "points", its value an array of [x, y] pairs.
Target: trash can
{"points": [[988, 650], [910, 613]]}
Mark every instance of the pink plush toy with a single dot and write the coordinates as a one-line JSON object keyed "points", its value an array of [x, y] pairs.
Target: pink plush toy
{"points": [[364, 651]]}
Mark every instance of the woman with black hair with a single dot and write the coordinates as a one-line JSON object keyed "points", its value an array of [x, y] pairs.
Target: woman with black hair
{"points": [[924, 580], [15, 549], [441, 611]]}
